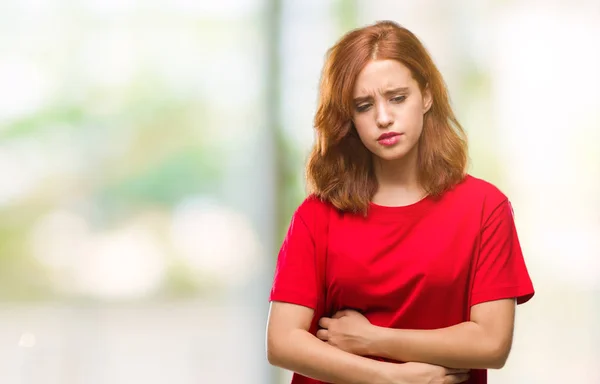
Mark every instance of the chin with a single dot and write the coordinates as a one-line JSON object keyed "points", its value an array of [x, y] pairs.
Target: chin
{"points": [[391, 155]]}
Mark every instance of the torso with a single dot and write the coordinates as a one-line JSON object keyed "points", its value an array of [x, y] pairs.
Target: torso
{"points": [[409, 267], [401, 266]]}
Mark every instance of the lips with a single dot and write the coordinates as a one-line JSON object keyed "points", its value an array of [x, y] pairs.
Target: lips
{"points": [[389, 139], [388, 135]]}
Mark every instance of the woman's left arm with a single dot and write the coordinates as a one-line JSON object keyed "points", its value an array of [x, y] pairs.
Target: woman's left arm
{"points": [[484, 342]]}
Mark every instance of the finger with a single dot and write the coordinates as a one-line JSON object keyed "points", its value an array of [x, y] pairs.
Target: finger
{"points": [[339, 314], [323, 334], [454, 371], [324, 322], [459, 378]]}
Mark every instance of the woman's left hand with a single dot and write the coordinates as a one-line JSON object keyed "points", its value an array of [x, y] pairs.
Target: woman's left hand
{"points": [[347, 330]]}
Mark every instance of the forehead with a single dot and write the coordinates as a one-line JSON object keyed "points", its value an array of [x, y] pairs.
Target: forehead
{"points": [[381, 75]]}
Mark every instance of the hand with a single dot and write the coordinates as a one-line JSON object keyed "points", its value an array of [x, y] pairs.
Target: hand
{"points": [[347, 330], [421, 373]]}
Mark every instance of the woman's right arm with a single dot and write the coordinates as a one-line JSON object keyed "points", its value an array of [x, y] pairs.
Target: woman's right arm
{"points": [[291, 346]]}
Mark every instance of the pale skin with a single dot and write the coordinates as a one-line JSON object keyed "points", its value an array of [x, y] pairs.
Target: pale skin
{"points": [[484, 342], [291, 346], [388, 99]]}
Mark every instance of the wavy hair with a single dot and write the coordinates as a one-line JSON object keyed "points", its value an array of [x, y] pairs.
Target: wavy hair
{"points": [[339, 168]]}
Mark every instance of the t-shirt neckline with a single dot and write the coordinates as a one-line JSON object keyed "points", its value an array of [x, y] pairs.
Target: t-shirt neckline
{"points": [[385, 210]]}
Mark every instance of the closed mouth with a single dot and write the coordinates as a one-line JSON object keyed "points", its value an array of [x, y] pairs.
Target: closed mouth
{"points": [[388, 135]]}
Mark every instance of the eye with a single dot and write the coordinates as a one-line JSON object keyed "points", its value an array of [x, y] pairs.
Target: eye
{"points": [[363, 107], [399, 99]]}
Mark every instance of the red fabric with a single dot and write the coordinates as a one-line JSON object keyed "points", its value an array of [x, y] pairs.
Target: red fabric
{"points": [[420, 266]]}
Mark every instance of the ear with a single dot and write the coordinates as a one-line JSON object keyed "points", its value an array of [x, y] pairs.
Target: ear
{"points": [[427, 99]]}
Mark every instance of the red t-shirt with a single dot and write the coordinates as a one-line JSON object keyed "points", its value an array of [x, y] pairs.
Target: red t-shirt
{"points": [[420, 266]]}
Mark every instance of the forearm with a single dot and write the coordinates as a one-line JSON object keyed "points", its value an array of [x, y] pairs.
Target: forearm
{"points": [[465, 345], [303, 353]]}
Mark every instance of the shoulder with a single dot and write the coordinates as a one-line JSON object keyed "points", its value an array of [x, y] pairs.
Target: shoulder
{"points": [[478, 194], [311, 208], [474, 188]]}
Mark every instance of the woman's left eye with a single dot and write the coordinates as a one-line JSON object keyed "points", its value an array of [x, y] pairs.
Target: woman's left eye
{"points": [[399, 99]]}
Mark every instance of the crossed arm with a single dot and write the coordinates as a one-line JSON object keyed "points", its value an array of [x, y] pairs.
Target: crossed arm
{"points": [[483, 342], [291, 346]]}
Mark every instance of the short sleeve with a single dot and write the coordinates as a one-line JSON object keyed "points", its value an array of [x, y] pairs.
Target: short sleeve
{"points": [[500, 271], [295, 278]]}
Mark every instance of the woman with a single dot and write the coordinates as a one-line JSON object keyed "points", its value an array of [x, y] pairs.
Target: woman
{"points": [[422, 263]]}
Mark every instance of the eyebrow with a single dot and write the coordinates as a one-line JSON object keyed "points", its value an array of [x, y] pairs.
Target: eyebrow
{"points": [[389, 92]]}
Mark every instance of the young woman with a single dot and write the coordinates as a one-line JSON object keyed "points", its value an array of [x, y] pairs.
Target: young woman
{"points": [[422, 263]]}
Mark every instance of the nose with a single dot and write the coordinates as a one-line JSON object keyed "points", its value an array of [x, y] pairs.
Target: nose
{"points": [[383, 118]]}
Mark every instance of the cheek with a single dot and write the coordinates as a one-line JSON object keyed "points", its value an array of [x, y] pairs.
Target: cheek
{"points": [[411, 119], [362, 127], [361, 122]]}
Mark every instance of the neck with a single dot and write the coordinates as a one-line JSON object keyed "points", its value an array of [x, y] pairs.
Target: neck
{"points": [[398, 180]]}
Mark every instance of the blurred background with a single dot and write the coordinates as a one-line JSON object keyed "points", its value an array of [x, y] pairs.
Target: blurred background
{"points": [[152, 153]]}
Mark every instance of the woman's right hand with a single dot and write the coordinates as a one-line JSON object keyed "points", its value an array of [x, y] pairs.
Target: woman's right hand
{"points": [[421, 373]]}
